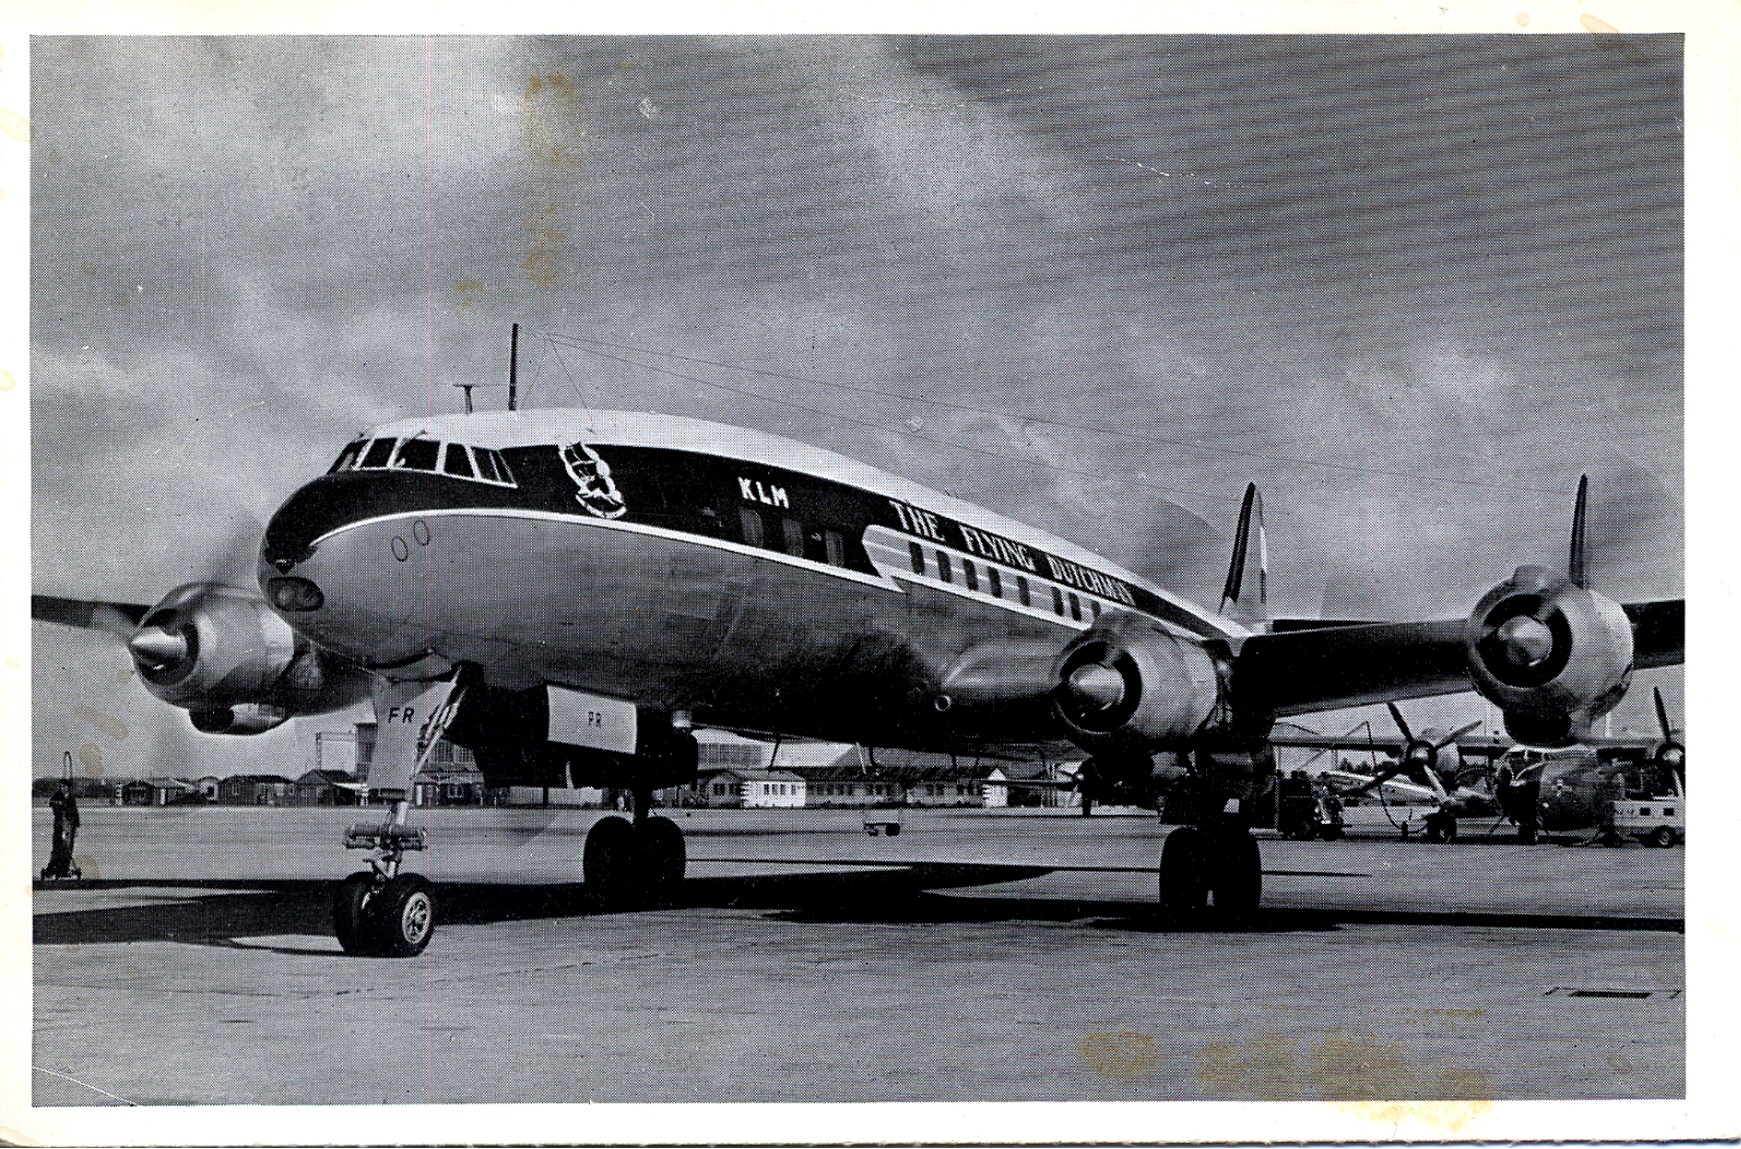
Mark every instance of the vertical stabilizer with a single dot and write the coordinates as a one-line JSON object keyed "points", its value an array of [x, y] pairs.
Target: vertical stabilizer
{"points": [[1243, 600]]}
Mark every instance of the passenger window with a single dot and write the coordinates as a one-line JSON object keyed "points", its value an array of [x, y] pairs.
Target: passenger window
{"points": [[1094, 607], [943, 567], [379, 452], [994, 580], [457, 461], [1022, 590], [416, 455], [834, 548], [347, 457], [916, 554], [1075, 607], [1058, 602], [750, 520], [794, 536], [969, 574]]}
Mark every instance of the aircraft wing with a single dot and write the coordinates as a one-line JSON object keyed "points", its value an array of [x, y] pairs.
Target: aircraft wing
{"points": [[1478, 745], [1297, 671], [1659, 632], [117, 618]]}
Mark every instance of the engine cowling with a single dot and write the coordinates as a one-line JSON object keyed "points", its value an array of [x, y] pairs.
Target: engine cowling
{"points": [[222, 654], [1552, 655], [1126, 685], [243, 718]]}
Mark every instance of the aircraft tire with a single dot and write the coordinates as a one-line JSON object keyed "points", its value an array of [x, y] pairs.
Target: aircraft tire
{"points": [[660, 856], [351, 900], [402, 916], [1183, 888], [1235, 872], [608, 860], [1662, 836], [1526, 835]]}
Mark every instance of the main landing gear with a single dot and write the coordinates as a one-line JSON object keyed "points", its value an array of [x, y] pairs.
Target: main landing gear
{"points": [[1440, 826], [1216, 864], [634, 863], [381, 911]]}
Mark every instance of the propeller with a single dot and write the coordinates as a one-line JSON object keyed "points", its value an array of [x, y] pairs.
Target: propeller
{"points": [[1420, 753], [1671, 753]]}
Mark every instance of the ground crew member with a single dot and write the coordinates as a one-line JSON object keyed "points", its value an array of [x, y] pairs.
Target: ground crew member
{"points": [[66, 830]]}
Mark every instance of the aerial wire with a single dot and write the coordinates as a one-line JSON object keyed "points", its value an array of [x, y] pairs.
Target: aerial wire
{"points": [[585, 344]]}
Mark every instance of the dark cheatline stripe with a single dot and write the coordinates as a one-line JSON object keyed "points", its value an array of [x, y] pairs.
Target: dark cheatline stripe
{"points": [[695, 494]]}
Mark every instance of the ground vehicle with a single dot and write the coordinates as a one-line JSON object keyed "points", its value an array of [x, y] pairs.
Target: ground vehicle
{"points": [[1655, 821]]}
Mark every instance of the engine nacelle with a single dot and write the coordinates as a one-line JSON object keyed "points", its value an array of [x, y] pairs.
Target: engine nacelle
{"points": [[238, 668], [1552, 655], [242, 718], [1127, 685]]}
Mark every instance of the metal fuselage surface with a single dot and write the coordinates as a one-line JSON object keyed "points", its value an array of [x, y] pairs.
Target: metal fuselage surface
{"points": [[753, 582]]}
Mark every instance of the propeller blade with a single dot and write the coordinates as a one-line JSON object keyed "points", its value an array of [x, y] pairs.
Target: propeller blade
{"points": [[116, 618], [1380, 779], [1578, 564], [1396, 716], [1454, 735], [1662, 715]]}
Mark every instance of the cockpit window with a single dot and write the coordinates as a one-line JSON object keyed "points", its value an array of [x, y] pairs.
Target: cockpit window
{"points": [[492, 467], [378, 453], [348, 457], [425, 454], [416, 455], [457, 461]]}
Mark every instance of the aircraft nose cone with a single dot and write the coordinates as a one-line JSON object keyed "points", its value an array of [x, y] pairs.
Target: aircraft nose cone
{"points": [[1525, 640], [1096, 687], [156, 647]]}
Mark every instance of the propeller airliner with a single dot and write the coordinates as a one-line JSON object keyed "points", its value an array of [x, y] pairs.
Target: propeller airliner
{"points": [[572, 593]]}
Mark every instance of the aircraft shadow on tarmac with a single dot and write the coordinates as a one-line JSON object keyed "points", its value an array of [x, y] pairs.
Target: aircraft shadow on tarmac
{"points": [[894, 896]]}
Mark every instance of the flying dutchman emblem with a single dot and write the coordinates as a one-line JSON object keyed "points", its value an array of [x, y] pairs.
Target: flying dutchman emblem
{"points": [[597, 493]]}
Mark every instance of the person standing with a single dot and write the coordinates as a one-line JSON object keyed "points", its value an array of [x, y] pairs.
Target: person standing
{"points": [[66, 830]]}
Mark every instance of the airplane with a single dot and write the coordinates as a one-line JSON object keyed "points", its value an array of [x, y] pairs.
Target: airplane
{"points": [[1559, 790], [570, 593]]}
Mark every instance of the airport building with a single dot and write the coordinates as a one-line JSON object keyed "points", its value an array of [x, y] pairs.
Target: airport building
{"points": [[734, 787]]}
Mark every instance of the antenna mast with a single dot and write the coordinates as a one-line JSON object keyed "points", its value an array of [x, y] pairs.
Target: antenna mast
{"points": [[513, 369]]}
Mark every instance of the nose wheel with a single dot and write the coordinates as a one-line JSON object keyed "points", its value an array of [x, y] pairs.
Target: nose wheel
{"points": [[381, 911]]}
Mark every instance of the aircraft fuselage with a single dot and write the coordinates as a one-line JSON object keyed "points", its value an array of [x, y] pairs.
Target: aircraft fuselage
{"points": [[753, 582]]}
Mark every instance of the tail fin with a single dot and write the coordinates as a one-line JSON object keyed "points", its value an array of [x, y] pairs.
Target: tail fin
{"points": [[1248, 604]]}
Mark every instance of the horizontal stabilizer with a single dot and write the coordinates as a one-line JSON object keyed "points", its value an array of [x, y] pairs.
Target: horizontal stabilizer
{"points": [[118, 618]]}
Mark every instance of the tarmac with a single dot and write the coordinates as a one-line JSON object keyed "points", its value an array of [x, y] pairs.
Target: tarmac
{"points": [[979, 956]]}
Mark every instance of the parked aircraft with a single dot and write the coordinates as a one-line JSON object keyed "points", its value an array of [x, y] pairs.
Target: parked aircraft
{"points": [[570, 593], [1563, 790]]}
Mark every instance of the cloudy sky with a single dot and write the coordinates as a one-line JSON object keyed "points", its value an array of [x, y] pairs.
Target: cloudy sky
{"points": [[1414, 287]]}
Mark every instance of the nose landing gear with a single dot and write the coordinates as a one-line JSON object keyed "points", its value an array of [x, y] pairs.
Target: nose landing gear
{"points": [[382, 912]]}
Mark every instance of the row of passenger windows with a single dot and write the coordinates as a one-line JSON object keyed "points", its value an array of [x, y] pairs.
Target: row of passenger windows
{"points": [[818, 544], [420, 454], [994, 584]]}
